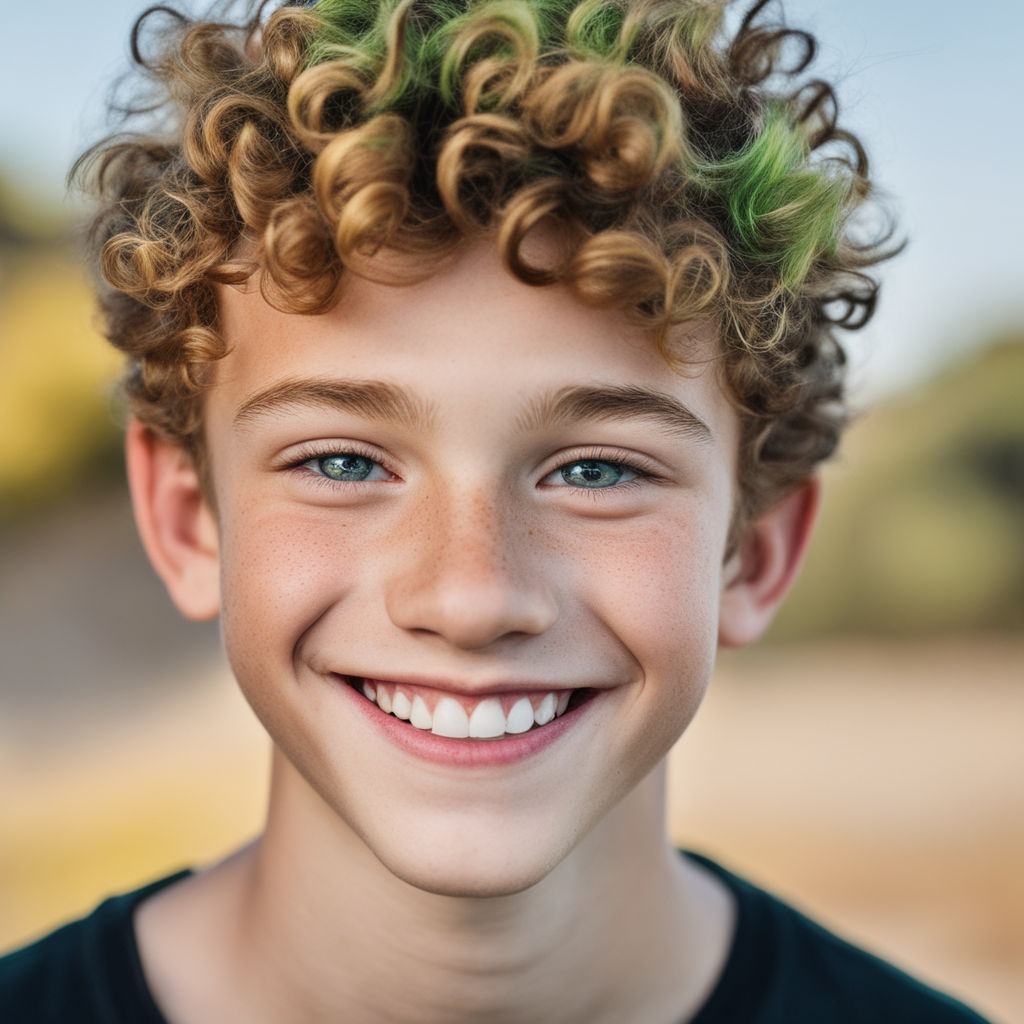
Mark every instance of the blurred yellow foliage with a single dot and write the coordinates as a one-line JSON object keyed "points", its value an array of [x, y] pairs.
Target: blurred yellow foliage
{"points": [[55, 377], [921, 526]]}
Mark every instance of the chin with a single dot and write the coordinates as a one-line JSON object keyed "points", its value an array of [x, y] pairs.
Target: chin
{"points": [[453, 876], [482, 861]]}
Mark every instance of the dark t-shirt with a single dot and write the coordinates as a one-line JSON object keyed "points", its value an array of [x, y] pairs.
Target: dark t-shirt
{"points": [[782, 969]]}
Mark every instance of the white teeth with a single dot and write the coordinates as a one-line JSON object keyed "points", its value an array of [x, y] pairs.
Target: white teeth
{"points": [[401, 706], [520, 717], [545, 710], [487, 720], [420, 715], [450, 719]]}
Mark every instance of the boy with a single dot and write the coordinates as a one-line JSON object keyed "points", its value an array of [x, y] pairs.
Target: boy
{"points": [[481, 358]]}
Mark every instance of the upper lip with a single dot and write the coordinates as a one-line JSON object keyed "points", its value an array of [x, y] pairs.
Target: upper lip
{"points": [[467, 689]]}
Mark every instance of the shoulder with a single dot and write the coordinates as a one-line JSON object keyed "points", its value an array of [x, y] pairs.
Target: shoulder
{"points": [[785, 968], [87, 971]]}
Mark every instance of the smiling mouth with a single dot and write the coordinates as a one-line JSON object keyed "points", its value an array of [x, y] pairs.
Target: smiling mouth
{"points": [[485, 718]]}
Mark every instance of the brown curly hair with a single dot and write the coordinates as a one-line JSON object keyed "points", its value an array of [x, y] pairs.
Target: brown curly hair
{"points": [[690, 174]]}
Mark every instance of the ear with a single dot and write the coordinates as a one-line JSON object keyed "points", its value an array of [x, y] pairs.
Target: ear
{"points": [[759, 574], [177, 528]]}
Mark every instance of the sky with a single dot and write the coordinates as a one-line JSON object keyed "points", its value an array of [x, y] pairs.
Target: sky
{"points": [[933, 88]]}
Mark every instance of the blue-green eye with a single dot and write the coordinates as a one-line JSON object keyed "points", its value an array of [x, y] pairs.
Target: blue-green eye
{"points": [[345, 467], [595, 473]]}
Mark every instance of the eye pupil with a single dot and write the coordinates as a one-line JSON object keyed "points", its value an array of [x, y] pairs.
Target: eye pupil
{"points": [[345, 467], [592, 473]]}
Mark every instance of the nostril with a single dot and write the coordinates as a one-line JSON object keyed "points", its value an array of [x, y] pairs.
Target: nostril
{"points": [[473, 614]]}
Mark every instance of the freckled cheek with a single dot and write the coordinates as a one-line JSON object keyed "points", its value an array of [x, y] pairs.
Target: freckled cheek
{"points": [[660, 597], [279, 575]]}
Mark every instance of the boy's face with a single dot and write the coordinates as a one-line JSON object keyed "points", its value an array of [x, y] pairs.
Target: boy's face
{"points": [[467, 488]]}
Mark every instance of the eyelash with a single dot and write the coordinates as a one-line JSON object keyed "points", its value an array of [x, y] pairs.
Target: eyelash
{"points": [[642, 469], [298, 463]]}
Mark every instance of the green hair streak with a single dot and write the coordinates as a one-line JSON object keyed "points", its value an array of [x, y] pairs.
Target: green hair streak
{"points": [[357, 31], [594, 28], [784, 211]]}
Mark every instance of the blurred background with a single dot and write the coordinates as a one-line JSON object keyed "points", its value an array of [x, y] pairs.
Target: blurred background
{"points": [[867, 760]]}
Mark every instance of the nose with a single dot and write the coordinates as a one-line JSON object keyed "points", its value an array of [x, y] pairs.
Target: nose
{"points": [[466, 571]]}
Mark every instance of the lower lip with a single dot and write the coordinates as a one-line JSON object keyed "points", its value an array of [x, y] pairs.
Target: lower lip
{"points": [[464, 753]]}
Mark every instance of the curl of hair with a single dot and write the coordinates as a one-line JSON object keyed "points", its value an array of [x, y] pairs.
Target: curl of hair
{"points": [[692, 177]]}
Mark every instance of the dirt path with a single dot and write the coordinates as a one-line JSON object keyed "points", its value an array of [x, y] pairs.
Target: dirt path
{"points": [[881, 786]]}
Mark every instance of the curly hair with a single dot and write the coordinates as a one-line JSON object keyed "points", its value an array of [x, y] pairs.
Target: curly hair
{"points": [[692, 174]]}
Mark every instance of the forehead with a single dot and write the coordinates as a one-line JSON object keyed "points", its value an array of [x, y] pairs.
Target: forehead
{"points": [[468, 335]]}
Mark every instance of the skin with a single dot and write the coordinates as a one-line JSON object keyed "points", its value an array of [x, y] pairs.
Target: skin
{"points": [[465, 560]]}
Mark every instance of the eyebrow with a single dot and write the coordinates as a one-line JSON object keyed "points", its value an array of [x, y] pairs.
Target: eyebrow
{"points": [[374, 399], [623, 402], [379, 400]]}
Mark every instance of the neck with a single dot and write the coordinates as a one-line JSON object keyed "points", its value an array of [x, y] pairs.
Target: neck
{"points": [[330, 933]]}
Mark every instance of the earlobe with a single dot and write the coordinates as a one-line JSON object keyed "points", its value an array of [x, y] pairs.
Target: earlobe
{"points": [[177, 528], [764, 566]]}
